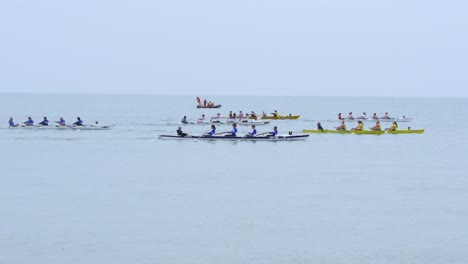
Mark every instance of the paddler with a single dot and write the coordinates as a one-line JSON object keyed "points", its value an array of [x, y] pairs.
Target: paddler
{"points": [[30, 122], [350, 116], [377, 127], [233, 131], [360, 126], [78, 122], [385, 116], [61, 122], [180, 133], [212, 131], [394, 127], [11, 123], [339, 116], [342, 126], [184, 119], [44, 122], [274, 133], [253, 133], [201, 119], [319, 127]]}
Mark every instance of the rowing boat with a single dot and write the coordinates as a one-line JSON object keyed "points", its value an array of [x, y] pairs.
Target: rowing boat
{"points": [[364, 132], [279, 117], [245, 138], [72, 127], [370, 119]]}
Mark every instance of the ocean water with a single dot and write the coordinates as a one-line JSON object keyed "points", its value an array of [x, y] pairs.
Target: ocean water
{"points": [[125, 196]]}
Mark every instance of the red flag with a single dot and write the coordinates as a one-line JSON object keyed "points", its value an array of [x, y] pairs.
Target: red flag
{"points": [[198, 100]]}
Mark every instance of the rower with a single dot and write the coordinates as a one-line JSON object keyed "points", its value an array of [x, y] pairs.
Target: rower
{"points": [[30, 122], [201, 119], [61, 122], [233, 131], [360, 126], [253, 133], [11, 123], [184, 120], [342, 126], [275, 114], [350, 116], [319, 126], [216, 119], [385, 116], [364, 116], [180, 133], [394, 127], [245, 119], [212, 131], [78, 122], [241, 115], [377, 127], [274, 133], [339, 116], [374, 116], [253, 116], [44, 122], [264, 115]]}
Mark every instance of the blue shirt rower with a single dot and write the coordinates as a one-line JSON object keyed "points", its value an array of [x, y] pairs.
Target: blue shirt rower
{"points": [[44, 122], [30, 122], [233, 131], [61, 122], [78, 122], [212, 131], [11, 123], [274, 132], [254, 132]]}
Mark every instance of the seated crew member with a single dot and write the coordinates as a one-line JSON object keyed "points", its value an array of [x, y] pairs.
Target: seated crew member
{"points": [[184, 120], [360, 126], [233, 131], [319, 127], [339, 116], [394, 127], [253, 133], [364, 116], [61, 122], [11, 123], [342, 126], [274, 133], [78, 122], [377, 127], [180, 133], [212, 131], [350, 116], [30, 122], [385, 116], [201, 119], [44, 122]]}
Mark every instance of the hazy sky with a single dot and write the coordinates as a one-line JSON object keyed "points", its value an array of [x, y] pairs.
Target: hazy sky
{"points": [[271, 47]]}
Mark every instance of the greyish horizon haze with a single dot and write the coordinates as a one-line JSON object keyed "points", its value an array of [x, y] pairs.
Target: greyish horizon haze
{"points": [[311, 48]]}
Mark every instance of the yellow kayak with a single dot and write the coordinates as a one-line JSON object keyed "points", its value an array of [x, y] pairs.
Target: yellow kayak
{"points": [[364, 132]]}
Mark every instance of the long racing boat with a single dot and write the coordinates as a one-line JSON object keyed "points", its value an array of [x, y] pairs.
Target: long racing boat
{"points": [[278, 117], [239, 138], [66, 127], [364, 132]]}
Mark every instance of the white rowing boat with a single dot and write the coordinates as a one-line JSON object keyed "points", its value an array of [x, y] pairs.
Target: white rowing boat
{"points": [[239, 138], [67, 127]]}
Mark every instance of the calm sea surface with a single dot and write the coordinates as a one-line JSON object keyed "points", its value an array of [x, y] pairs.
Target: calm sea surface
{"points": [[125, 196]]}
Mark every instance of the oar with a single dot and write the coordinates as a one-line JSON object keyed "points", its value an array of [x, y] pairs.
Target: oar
{"points": [[243, 137], [66, 125]]}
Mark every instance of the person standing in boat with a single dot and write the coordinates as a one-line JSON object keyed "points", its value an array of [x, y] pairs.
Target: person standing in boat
{"points": [[253, 133], [360, 126], [377, 127], [78, 122], [204, 102], [30, 122], [44, 122], [184, 120], [319, 127], [342, 126], [180, 132], [11, 123], [394, 127], [233, 131]]}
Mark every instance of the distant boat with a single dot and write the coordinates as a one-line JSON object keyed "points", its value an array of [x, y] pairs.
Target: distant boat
{"points": [[206, 104]]}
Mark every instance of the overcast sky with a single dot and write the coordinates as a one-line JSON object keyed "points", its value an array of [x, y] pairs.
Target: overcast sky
{"points": [[271, 47]]}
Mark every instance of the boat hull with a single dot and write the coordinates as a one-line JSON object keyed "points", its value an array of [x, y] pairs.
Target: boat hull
{"points": [[56, 127], [213, 106], [246, 138], [364, 132]]}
